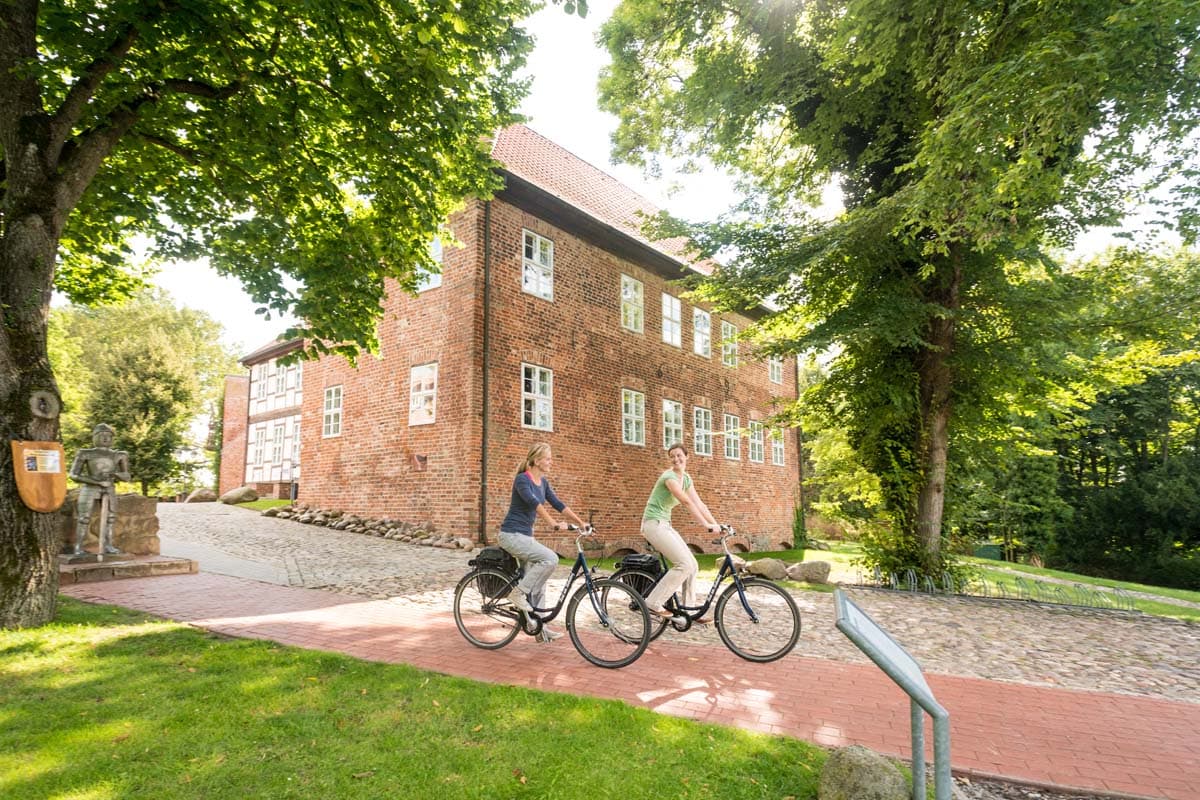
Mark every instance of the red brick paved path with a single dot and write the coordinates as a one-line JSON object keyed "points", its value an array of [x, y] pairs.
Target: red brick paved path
{"points": [[1086, 741]]}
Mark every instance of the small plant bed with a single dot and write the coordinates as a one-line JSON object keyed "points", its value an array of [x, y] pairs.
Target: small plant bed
{"points": [[107, 703]]}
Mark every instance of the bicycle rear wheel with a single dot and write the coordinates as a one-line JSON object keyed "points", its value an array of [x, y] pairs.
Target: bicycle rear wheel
{"points": [[482, 612], [642, 583], [772, 635], [609, 625]]}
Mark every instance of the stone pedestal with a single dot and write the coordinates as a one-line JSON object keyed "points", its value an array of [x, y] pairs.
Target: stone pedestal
{"points": [[136, 531]]}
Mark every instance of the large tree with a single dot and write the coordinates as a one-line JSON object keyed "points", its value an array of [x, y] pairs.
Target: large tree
{"points": [[964, 135], [311, 149]]}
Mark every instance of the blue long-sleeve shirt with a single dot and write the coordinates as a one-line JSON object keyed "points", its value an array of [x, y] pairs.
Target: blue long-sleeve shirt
{"points": [[526, 497]]}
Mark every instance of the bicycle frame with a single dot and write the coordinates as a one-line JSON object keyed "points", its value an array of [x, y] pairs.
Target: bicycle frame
{"points": [[540, 615], [691, 613]]}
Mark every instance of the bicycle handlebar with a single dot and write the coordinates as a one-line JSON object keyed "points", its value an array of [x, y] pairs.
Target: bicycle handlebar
{"points": [[727, 532]]}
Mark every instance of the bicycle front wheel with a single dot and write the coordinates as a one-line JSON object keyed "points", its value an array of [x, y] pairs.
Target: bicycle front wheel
{"points": [[642, 583], [763, 626], [609, 625], [482, 612]]}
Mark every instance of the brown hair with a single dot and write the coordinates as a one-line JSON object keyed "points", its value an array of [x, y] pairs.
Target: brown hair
{"points": [[535, 452], [677, 446]]}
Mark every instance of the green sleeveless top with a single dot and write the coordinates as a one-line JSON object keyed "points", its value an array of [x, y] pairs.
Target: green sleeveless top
{"points": [[662, 502]]}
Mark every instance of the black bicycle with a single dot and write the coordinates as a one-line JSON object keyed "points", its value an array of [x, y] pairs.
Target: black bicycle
{"points": [[606, 619], [756, 619]]}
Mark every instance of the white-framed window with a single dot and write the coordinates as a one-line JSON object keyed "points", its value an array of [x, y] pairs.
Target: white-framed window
{"points": [[422, 394], [261, 392], [280, 379], [260, 444], [295, 443], [537, 273], [672, 318], [756, 442], [729, 345], [632, 309], [777, 447], [277, 444], [331, 420], [775, 368], [672, 423], [537, 397], [633, 417], [432, 280], [733, 441], [701, 431], [701, 333]]}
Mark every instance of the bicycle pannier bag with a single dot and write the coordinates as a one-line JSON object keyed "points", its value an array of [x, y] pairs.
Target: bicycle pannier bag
{"points": [[642, 562], [494, 558]]}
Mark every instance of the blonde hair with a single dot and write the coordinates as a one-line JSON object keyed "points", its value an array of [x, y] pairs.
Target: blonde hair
{"points": [[535, 452]]}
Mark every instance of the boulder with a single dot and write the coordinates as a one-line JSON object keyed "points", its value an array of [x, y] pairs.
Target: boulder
{"points": [[242, 494], [739, 563], [135, 532], [769, 568], [859, 773], [809, 571], [813, 544], [202, 496]]}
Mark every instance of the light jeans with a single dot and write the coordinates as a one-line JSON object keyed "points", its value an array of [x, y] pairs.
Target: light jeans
{"points": [[667, 541], [539, 562]]}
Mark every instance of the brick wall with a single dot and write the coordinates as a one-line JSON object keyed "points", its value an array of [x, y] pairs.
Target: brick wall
{"points": [[579, 336], [371, 467], [233, 438]]}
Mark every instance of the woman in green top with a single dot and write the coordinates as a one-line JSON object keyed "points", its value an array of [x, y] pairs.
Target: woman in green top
{"points": [[674, 487]]}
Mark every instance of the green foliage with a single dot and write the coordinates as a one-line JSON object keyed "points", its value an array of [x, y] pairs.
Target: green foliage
{"points": [[145, 393], [105, 702], [286, 141], [145, 367], [964, 137]]}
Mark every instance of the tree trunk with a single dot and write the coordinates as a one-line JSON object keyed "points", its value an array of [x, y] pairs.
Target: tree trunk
{"points": [[29, 398], [28, 539], [935, 382]]}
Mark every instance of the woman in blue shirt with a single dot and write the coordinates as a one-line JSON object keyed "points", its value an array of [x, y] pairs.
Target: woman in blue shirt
{"points": [[531, 493]]}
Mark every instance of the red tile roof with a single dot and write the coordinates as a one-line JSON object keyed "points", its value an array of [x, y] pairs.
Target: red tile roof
{"points": [[531, 156]]}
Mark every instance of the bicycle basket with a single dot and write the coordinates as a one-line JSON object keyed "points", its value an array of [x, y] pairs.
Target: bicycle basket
{"points": [[494, 558], [642, 562]]}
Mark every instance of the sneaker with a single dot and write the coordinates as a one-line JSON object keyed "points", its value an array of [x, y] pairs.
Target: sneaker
{"points": [[549, 634], [519, 601]]}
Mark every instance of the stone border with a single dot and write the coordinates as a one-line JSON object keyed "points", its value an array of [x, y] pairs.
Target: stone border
{"points": [[397, 530]]}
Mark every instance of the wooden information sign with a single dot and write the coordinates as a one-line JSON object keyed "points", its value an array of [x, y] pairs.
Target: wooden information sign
{"points": [[41, 474]]}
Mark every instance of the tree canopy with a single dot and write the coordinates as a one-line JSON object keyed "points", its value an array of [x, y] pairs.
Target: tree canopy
{"points": [[965, 138], [145, 367]]}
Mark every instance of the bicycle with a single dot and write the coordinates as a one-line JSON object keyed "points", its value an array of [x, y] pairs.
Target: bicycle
{"points": [[606, 619], [756, 619]]}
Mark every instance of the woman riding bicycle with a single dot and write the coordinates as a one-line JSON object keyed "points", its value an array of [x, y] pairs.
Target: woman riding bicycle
{"points": [[674, 487], [530, 494]]}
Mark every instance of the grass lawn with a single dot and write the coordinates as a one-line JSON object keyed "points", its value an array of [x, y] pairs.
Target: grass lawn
{"points": [[106, 703], [263, 503]]}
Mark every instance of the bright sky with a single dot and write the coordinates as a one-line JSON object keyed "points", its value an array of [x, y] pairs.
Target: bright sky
{"points": [[562, 107]]}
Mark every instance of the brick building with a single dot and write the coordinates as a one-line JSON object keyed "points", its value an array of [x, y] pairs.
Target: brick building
{"points": [[260, 446], [556, 321]]}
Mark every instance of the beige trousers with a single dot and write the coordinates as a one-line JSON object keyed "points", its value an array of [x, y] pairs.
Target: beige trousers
{"points": [[667, 541]]}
